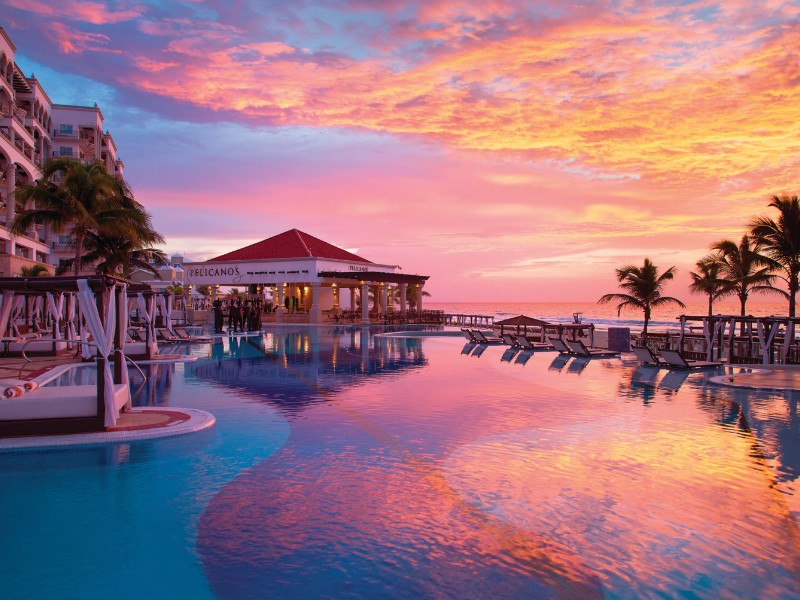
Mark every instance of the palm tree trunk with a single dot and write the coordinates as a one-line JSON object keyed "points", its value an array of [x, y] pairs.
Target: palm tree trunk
{"points": [[710, 305], [793, 284], [78, 253], [743, 302]]}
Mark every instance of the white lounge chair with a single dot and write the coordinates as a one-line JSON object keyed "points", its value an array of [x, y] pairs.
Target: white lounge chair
{"points": [[675, 359]]}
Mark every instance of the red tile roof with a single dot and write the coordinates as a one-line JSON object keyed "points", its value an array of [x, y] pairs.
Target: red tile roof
{"points": [[290, 244]]}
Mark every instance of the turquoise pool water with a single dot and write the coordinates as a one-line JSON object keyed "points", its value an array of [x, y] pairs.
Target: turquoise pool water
{"points": [[349, 465]]}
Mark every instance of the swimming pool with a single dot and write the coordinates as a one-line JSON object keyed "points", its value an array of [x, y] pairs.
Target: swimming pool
{"points": [[349, 465]]}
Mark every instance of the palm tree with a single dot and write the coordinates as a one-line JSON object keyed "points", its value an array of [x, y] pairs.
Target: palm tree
{"points": [[116, 255], [780, 240], [411, 296], [83, 198], [744, 269], [643, 286], [204, 290], [705, 280], [36, 270]]}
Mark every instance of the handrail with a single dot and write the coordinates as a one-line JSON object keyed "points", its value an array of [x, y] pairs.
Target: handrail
{"points": [[90, 344]]}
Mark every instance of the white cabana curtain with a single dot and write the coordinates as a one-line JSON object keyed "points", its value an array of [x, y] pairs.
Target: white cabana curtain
{"points": [[71, 332], [168, 315], [149, 318], [123, 317], [6, 304], [104, 339], [86, 351], [55, 308], [162, 307], [16, 311]]}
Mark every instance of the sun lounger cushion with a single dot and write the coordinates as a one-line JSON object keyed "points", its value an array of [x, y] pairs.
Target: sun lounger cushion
{"points": [[58, 402], [43, 345]]}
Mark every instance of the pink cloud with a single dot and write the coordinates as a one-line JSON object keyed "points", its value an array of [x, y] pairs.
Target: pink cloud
{"points": [[96, 13]]}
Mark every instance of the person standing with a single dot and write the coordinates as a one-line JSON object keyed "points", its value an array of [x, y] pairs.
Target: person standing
{"points": [[233, 315], [217, 307]]}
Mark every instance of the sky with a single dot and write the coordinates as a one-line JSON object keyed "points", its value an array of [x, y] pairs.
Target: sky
{"points": [[511, 150]]}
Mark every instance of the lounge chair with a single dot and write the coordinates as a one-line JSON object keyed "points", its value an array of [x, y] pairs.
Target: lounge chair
{"points": [[482, 339], [560, 346], [468, 334], [162, 335], [184, 335], [509, 339], [675, 359], [526, 344], [579, 349], [646, 356]]}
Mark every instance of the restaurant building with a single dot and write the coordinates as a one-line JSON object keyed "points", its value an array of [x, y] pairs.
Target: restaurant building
{"points": [[308, 276]]}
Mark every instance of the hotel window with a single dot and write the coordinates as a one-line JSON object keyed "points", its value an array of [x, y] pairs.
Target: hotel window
{"points": [[65, 129], [64, 151]]}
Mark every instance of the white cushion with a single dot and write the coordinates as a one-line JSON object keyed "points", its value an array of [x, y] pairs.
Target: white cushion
{"points": [[57, 402]]}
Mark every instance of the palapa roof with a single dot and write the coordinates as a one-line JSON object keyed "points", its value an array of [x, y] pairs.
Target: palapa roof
{"points": [[523, 321], [290, 244]]}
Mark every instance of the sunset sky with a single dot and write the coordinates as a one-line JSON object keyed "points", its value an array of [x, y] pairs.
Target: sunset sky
{"points": [[510, 150]]}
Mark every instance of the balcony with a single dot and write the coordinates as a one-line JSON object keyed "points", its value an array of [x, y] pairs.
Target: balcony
{"points": [[63, 134]]}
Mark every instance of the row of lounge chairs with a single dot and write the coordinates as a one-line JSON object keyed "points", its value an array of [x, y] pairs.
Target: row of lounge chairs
{"points": [[164, 334], [670, 359], [574, 347]]}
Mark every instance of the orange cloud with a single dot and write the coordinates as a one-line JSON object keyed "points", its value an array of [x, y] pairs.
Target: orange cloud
{"points": [[640, 96]]}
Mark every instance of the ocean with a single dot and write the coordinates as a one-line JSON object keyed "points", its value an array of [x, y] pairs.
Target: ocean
{"points": [[605, 315]]}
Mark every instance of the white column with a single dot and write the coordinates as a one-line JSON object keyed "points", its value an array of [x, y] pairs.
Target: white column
{"points": [[315, 313], [389, 298], [352, 298], [281, 309], [365, 303], [383, 291], [403, 291], [336, 308]]}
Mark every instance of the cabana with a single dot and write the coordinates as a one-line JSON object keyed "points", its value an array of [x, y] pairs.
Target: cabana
{"points": [[102, 305], [546, 329], [742, 340]]}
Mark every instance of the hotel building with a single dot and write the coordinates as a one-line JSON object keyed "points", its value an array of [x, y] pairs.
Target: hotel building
{"points": [[33, 129]]}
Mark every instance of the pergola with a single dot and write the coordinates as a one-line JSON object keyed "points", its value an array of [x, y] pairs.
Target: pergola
{"points": [[746, 339], [545, 327], [100, 298]]}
